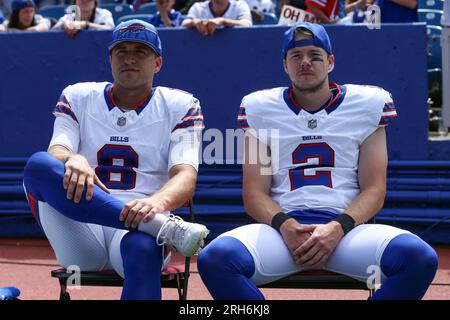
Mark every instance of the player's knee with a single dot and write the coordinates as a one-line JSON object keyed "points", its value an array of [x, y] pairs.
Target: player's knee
{"points": [[37, 164], [417, 255], [426, 260], [225, 254]]}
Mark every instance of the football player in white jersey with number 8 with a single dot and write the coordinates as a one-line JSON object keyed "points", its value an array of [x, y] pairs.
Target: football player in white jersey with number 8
{"points": [[122, 156], [328, 181]]}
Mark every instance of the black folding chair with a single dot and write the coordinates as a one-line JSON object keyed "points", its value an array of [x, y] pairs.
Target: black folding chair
{"points": [[171, 277], [318, 279]]}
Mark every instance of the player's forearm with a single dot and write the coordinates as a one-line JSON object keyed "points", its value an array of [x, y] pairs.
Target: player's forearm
{"points": [[59, 152], [260, 206], [411, 4], [179, 189], [367, 204]]}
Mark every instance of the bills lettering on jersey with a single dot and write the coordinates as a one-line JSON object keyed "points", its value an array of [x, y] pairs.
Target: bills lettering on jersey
{"points": [[306, 138], [119, 139]]}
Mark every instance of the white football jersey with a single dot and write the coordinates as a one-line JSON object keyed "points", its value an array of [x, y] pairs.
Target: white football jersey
{"points": [[130, 151], [315, 156]]}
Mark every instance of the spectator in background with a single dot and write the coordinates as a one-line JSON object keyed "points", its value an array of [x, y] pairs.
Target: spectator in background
{"points": [[397, 10], [208, 15], [2, 17], [91, 17], [329, 11], [299, 4], [166, 15], [24, 18], [259, 7]]}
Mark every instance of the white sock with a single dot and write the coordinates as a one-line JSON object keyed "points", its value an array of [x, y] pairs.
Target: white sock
{"points": [[152, 227]]}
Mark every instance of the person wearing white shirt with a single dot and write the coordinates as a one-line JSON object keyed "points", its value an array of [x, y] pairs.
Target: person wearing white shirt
{"points": [[208, 15], [24, 18], [91, 17]]}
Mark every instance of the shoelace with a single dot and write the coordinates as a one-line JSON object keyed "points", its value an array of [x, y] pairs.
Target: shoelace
{"points": [[174, 236]]}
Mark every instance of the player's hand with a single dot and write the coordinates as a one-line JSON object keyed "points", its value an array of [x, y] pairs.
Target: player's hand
{"points": [[141, 210], [314, 252], [295, 234], [78, 175]]}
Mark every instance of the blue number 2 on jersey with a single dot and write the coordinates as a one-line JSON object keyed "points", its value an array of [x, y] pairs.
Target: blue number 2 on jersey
{"points": [[115, 166], [312, 156]]}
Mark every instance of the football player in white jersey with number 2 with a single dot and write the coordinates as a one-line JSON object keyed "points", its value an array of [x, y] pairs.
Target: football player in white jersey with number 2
{"points": [[327, 181], [122, 156]]}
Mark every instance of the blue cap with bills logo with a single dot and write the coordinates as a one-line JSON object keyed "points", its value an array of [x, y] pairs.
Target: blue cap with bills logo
{"points": [[20, 4], [320, 37], [136, 31]]}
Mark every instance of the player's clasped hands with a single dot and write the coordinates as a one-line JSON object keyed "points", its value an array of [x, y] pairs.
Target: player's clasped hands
{"points": [[295, 234], [314, 252], [141, 209], [79, 175]]}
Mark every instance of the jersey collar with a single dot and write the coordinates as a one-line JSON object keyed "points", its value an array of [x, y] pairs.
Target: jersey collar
{"points": [[111, 103], [212, 12], [338, 94]]}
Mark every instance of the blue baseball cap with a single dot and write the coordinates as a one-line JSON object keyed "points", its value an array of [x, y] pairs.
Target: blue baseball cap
{"points": [[136, 31], [320, 37], [20, 4]]}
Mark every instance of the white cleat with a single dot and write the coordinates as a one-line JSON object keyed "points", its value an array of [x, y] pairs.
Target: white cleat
{"points": [[185, 237]]}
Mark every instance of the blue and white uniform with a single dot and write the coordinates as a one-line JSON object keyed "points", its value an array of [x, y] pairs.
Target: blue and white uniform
{"points": [[130, 151], [314, 168]]}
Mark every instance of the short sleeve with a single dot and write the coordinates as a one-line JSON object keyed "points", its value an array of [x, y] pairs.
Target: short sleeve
{"points": [[64, 107], [66, 133], [242, 117], [389, 112], [194, 11], [192, 119], [104, 17], [185, 138], [244, 12]]}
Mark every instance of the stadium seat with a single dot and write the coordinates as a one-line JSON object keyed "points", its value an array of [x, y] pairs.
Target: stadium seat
{"points": [[434, 46], [171, 277], [430, 16], [117, 9], [149, 8], [434, 79], [56, 11], [318, 279], [431, 4], [269, 18], [133, 16]]}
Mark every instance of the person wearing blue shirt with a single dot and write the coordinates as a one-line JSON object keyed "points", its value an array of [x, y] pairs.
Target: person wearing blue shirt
{"points": [[166, 16]]}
